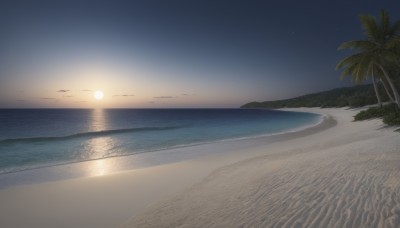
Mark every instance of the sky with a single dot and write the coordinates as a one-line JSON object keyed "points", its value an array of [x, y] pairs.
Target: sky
{"points": [[173, 54]]}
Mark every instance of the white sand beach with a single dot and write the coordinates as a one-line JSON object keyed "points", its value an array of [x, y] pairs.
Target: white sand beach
{"points": [[338, 174]]}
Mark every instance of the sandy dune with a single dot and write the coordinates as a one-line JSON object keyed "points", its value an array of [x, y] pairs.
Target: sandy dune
{"points": [[345, 176]]}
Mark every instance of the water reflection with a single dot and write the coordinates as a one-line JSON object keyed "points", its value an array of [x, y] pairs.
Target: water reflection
{"points": [[99, 168], [98, 147], [98, 120]]}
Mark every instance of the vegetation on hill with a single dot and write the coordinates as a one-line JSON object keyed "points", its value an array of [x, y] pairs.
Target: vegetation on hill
{"points": [[356, 96]]}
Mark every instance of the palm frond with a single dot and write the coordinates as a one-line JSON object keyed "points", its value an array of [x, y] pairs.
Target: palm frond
{"points": [[385, 21], [357, 44], [370, 27], [350, 60], [361, 71], [392, 44], [358, 66], [390, 57], [354, 71], [348, 71], [376, 71]]}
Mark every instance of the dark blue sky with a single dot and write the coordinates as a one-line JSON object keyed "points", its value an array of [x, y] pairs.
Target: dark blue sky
{"points": [[189, 53]]}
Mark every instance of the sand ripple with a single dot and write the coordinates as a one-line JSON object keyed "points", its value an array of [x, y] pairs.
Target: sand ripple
{"points": [[343, 184]]}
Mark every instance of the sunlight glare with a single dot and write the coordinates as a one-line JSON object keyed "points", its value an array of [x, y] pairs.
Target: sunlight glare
{"points": [[98, 95]]}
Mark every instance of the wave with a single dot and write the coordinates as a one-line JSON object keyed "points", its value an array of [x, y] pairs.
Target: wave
{"points": [[91, 134]]}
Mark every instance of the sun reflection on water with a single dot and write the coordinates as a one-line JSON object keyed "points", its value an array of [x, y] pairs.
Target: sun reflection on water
{"points": [[98, 120], [98, 147], [99, 168]]}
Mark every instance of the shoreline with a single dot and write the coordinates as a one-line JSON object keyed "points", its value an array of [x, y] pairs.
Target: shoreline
{"points": [[36, 175], [345, 176], [231, 188], [24, 164]]}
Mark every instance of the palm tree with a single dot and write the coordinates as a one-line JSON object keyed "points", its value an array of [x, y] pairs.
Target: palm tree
{"points": [[379, 50], [360, 66], [385, 86]]}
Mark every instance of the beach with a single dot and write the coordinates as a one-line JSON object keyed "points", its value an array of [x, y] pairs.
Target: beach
{"points": [[337, 174]]}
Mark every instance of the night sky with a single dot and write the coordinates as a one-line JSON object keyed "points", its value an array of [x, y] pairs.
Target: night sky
{"points": [[173, 54]]}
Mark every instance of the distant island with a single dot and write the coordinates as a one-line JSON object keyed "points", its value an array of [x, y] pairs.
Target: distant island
{"points": [[355, 96]]}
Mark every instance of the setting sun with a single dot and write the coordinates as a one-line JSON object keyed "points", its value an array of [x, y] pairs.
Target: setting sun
{"points": [[98, 95]]}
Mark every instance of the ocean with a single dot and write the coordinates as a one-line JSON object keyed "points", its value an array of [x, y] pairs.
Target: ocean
{"points": [[33, 138]]}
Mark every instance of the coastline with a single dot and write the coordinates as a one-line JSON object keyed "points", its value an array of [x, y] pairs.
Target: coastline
{"points": [[80, 169], [138, 131], [228, 180], [344, 176]]}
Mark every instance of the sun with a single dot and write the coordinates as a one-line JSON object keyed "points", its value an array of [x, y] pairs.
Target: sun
{"points": [[98, 95]]}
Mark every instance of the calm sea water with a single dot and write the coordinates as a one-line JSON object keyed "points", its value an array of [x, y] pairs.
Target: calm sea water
{"points": [[31, 138]]}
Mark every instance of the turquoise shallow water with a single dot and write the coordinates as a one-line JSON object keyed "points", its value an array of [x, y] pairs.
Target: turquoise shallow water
{"points": [[43, 137]]}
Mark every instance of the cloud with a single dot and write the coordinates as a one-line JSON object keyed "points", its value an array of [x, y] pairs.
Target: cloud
{"points": [[63, 90], [164, 97], [48, 98], [186, 94], [124, 95], [21, 100], [68, 96], [86, 90]]}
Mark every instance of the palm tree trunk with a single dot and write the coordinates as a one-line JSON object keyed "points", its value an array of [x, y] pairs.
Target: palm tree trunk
{"points": [[387, 90], [376, 91], [392, 86]]}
